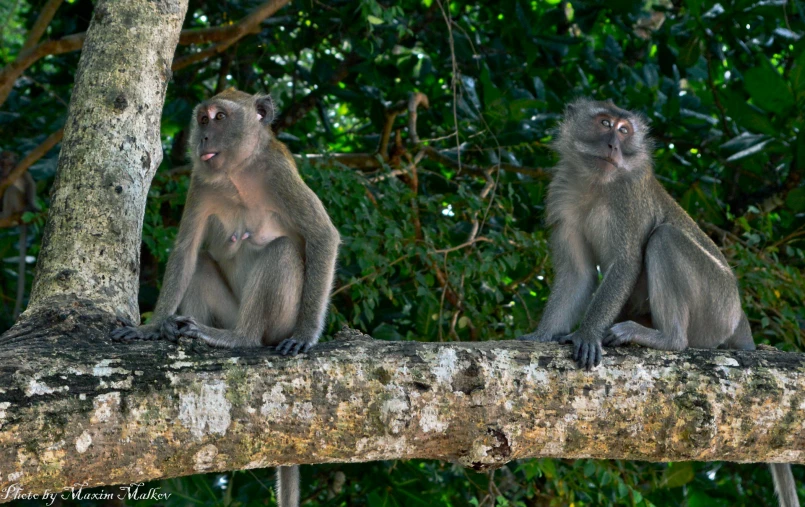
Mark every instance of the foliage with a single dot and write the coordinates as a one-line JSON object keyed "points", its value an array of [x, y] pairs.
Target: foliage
{"points": [[724, 86]]}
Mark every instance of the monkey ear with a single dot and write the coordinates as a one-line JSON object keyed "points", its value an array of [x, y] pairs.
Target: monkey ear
{"points": [[264, 105]]}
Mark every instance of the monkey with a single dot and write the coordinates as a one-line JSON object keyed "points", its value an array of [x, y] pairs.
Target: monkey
{"points": [[608, 212], [254, 259], [20, 196]]}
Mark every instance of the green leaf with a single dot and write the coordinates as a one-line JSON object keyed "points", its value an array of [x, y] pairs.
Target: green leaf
{"points": [[374, 20], [699, 203], [745, 115], [689, 53], [756, 148], [797, 76], [677, 474], [796, 200], [768, 89]]}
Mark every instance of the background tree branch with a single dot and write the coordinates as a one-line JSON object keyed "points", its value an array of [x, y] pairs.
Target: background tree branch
{"points": [[225, 35]]}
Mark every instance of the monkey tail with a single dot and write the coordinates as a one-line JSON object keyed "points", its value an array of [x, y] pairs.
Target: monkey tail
{"points": [[21, 270], [784, 484], [288, 486]]}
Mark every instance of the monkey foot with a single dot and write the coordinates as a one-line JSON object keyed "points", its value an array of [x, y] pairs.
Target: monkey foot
{"points": [[291, 347]]}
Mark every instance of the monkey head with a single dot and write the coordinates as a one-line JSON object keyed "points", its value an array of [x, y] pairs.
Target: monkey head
{"points": [[604, 140], [8, 159], [229, 128]]}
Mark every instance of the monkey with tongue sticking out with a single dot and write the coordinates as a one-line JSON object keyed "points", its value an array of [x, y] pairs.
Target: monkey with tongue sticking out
{"points": [[608, 211], [254, 259]]}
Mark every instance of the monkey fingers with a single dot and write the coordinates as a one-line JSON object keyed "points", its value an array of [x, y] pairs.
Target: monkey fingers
{"points": [[292, 347], [126, 334], [178, 325], [586, 353]]}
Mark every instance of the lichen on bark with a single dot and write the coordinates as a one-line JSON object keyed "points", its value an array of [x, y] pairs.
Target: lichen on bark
{"points": [[154, 410], [110, 151]]}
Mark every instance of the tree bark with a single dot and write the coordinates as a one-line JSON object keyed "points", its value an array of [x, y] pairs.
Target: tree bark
{"points": [[97, 413], [110, 151]]}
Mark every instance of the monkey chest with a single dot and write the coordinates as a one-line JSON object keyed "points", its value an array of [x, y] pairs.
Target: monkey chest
{"points": [[597, 226], [244, 229]]}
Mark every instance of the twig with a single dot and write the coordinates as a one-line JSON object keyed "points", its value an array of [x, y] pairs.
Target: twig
{"points": [[716, 100], [385, 135], [417, 99], [375, 273], [449, 21]]}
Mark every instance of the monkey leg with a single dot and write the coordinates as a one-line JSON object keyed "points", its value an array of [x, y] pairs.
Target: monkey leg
{"points": [[271, 293], [270, 289], [692, 296], [208, 299]]}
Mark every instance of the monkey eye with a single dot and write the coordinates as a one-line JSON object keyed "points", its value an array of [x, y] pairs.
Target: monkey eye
{"points": [[204, 120], [606, 123], [624, 130], [220, 116]]}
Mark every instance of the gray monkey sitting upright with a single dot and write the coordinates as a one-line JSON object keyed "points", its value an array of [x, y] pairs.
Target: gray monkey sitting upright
{"points": [[608, 211]]}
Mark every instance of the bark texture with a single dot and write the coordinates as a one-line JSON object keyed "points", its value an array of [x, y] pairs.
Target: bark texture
{"points": [[110, 151], [91, 411]]}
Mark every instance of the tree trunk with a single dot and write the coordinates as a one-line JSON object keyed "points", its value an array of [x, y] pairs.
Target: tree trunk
{"points": [[111, 149], [155, 410]]}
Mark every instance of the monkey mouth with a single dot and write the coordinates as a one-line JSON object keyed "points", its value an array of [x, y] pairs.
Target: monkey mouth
{"points": [[205, 157], [610, 161]]}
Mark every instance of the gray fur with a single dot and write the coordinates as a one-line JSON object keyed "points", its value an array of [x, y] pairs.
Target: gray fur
{"points": [[607, 210], [288, 486], [657, 263], [255, 255], [784, 484]]}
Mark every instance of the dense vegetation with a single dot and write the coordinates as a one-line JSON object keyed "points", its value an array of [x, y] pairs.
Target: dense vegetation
{"points": [[443, 235]]}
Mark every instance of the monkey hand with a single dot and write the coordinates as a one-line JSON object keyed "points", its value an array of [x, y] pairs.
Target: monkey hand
{"points": [[292, 346], [587, 349], [129, 332], [174, 326], [539, 337], [168, 328]]}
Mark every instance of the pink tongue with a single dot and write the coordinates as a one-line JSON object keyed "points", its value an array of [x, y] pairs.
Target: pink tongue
{"points": [[207, 156]]}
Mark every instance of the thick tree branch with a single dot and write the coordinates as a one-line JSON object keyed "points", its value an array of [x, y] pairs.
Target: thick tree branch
{"points": [[76, 409], [225, 35], [10, 74], [248, 24]]}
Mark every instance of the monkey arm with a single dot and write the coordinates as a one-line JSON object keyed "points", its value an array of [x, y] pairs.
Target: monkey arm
{"points": [[182, 260], [181, 266], [611, 296], [607, 302], [30, 192], [575, 277]]}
